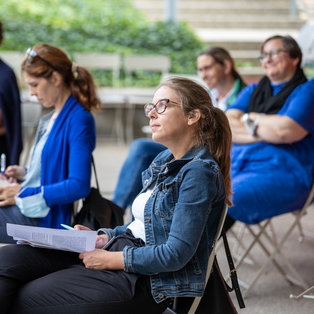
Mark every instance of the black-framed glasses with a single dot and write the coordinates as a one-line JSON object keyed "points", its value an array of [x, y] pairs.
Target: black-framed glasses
{"points": [[160, 106], [31, 54], [273, 53]]}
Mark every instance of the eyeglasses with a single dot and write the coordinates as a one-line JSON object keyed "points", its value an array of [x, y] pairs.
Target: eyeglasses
{"points": [[31, 54], [272, 54], [206, 68], [160, 106]]}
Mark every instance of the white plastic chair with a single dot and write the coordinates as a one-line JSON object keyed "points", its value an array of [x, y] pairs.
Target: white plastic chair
{"points": [[101, 61], [152, 63]]}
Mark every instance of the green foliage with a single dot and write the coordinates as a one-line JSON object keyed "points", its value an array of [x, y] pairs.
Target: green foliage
{"points": [[97, 26]]}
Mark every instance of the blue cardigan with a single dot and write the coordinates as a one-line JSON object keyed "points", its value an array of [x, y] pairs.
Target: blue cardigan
{"points": [[66, 163]]}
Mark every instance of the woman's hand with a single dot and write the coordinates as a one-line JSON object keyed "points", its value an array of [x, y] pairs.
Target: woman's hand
{"points": [[102, 259], [81, 227], [7, 194], [15, 173], [101, 239]]}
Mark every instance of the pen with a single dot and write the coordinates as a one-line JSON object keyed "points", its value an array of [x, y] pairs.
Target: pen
{"points": [[108, 243], [67, 227], [3, 162]]}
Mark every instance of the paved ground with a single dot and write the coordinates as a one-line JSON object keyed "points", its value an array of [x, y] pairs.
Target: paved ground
{"points": [[271, 293]]}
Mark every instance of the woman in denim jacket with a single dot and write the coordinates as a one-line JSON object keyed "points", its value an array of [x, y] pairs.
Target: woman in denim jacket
{"points": [[164, 251]]}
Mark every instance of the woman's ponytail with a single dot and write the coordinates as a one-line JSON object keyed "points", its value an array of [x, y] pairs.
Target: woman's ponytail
{"points": [[220, 146], [84, 89]]}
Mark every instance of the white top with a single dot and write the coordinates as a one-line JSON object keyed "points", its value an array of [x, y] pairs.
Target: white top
{"points": [[137, 225], [221, 103]]}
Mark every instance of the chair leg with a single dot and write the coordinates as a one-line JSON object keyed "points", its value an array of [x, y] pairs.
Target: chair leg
{"points": [[239, 244], [303, 294], [276, 251], [248, 249], [279, 268]]}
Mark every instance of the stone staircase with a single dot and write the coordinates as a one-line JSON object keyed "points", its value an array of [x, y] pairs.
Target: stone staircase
{"points": [[237, 25]]}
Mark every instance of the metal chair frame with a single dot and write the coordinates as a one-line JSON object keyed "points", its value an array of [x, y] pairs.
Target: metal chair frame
{"points": [[276, 248]]}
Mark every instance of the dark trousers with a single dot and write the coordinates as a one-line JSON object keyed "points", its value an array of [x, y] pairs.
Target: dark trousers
{"points": [[3, 147], [47, 281]]}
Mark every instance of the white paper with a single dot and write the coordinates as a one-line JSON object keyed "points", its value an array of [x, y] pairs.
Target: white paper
{"points": [[66, 240]]}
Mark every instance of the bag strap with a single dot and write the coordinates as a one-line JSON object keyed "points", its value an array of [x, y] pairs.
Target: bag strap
{"points": [[95, 174], [233, 273]]}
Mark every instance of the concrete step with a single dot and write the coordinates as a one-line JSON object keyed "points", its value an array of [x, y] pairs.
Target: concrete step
{"points": [[157, 4], [240, 39], [237, 25], [217, 7], [231, 20]]}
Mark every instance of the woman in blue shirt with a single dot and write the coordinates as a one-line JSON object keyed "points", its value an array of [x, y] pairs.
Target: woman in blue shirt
{"points": [[60, 167], [273, 137], [164, 251]]}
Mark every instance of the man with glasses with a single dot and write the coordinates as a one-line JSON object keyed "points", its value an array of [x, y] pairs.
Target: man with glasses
{"points": [[273, 137]]}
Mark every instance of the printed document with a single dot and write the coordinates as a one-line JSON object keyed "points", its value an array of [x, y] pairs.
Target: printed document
{"points": [[58, 239]]}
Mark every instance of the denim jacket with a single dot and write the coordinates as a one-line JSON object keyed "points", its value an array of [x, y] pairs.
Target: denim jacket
{"points": [[181, 218]]}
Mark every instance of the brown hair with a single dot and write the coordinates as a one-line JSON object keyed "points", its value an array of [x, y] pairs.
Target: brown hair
{"points": [[213, 128], [77, 78], [289, 44], [220, 55]]}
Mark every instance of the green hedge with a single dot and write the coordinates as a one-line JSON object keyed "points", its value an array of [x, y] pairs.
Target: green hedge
{"points": [[98, 26]]}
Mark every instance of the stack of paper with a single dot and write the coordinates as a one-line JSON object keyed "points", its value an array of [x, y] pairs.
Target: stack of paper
{"points": [[66, 240]]}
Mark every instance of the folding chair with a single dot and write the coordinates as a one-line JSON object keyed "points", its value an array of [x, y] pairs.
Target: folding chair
{"points": [[193, 307], [101, 61], [276, 248], [151, 63]]}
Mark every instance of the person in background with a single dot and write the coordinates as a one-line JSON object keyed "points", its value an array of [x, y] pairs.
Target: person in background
{"points": [[216, 67], [60, 166], [11, 144], [164, 251], [272, 132]]}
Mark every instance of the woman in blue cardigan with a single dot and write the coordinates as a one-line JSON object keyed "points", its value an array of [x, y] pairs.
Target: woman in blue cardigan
{"points": [[60, 167]]}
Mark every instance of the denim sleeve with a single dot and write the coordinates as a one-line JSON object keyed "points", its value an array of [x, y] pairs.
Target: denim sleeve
{"points": [[113, 232], [199, 187]]}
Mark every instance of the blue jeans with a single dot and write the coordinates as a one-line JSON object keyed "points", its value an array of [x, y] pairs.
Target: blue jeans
{"points": [[12, 214], [141, 153]]}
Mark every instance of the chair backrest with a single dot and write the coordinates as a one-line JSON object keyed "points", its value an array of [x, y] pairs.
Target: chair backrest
{"points": [[197, 300], [158, 63], [101, 61]]}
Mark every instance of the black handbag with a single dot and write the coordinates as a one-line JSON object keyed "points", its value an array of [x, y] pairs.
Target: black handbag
{"points": [[216, 299], [97, 211]]}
